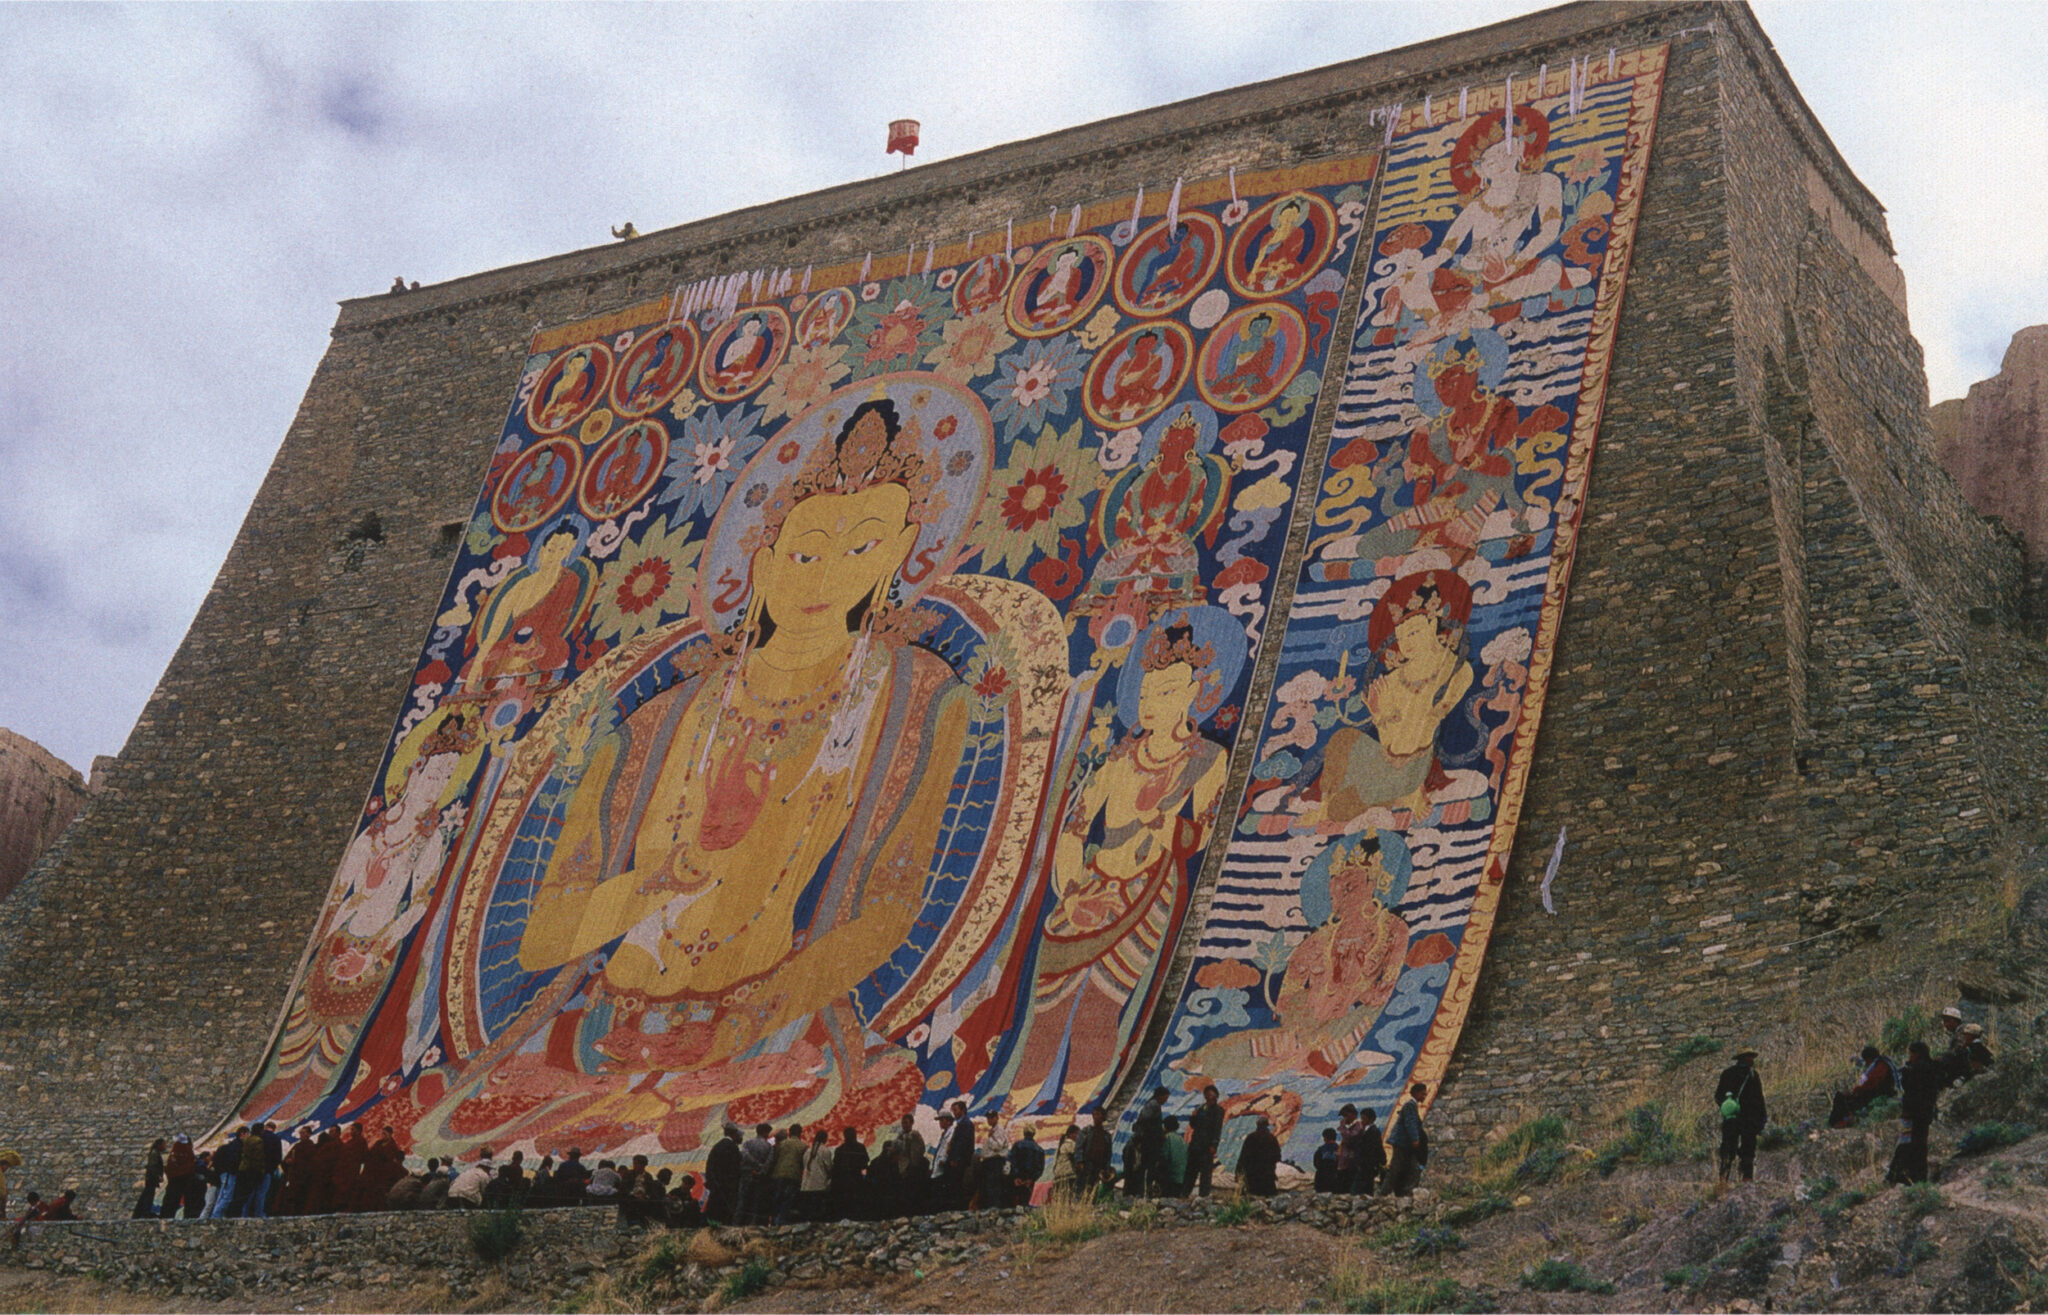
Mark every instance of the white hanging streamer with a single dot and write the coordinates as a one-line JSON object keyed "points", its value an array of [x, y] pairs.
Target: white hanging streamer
{"points": [[1580, 67], [1428, 117], [1542, 81], [1507, 114], [1233, 184], [1393, 113], [931, 249], [1074, 220], [1610, 61], [1173, 208], [1137, 206], [1009, 237], [867, 262], [1052, 219], [909, 254], [1550, 873], [1462, 92], [807, 280]]}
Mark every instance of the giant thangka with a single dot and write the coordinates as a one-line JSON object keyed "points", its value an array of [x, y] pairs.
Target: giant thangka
{"points": [[1360, 882], [831, 710]]}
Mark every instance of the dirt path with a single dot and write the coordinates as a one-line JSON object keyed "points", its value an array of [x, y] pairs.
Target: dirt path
{"points": [[1189, 1269]]}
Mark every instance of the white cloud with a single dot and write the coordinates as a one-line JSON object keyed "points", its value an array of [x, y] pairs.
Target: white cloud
{"points": [[191, 188]]}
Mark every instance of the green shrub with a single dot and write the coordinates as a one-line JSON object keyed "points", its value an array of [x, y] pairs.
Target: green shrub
{"points": [[1882, 1110], [751, 1278], [1821, 1188], [1563, 1276], [663, 1262], [494, 1233], [1486, 1207], [1902, 1030], [1406, 1296], [1235, 1213], [1434, 1242], [1990, 1136], [1536, 1134], [1644, 1140], [1686, 1051], [1922, 1200], [1687, 1277], [1775, 1137]]}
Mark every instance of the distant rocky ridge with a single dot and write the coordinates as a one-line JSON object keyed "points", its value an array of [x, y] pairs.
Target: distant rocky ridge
{"points": [[1995, 441], [39, 795]]}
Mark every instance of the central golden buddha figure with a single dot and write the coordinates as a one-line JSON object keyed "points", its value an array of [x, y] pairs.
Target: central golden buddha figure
{"points": [[757, 838]]}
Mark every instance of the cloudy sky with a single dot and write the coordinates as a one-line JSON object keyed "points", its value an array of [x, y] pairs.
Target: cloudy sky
{"points": [[186, 191]]}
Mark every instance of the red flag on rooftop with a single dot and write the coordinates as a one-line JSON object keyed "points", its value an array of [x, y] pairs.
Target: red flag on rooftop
{"points": [[902, 136]]}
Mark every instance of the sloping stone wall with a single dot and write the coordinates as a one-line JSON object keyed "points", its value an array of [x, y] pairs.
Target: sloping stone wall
{"points": [[1756, 603]]}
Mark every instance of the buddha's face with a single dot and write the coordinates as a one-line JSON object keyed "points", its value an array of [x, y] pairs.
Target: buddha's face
{"points": [[555, 550], [1497, 165], [1166, 699], [1417, 638], [833, 551]]}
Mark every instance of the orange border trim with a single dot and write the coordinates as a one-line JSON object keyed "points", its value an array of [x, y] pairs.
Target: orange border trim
{"points": [[1646, 68], [1358, 169]]}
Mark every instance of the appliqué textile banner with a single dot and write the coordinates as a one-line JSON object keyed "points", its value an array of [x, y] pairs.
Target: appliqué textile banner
{"points": [[1352, 911], [833, 696]]}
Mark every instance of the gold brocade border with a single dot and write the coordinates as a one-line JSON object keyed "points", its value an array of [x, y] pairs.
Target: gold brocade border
{"points": [[885, 265], [1646, 68]]}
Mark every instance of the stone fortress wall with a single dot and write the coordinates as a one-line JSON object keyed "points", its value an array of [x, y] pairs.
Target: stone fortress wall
{"points": [[1792, 687]]}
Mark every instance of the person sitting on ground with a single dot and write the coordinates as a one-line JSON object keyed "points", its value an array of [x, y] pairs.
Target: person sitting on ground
{"points": [[540, 1189], [405, 1193], [682, 1206], [603, 1187], [506, 1188], [1971, 1056], [1874, 1081], [60, 1210], [572, 1178], [1027, 1165], [1328, 1161], [467, 1191], [434, 1191], [1258, 1161]]}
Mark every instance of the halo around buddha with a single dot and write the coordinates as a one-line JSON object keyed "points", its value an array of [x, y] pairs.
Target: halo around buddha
{"points": [[953, 429]]}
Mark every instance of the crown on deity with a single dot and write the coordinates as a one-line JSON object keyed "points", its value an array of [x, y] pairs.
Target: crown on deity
{"points": [[872, 448], [453, 735], [1427, 600], [1176, 643]]}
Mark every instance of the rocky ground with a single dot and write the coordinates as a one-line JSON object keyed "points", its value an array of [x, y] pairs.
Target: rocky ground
{"points": [[1818, 1230]]}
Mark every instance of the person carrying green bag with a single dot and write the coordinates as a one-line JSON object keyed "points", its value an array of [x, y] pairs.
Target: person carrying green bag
{"points": [[1739, 1098]]}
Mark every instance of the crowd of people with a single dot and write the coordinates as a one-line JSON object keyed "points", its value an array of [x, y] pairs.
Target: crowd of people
{"points": [[771, 1176], [788, 1174], [1916, 1085]]}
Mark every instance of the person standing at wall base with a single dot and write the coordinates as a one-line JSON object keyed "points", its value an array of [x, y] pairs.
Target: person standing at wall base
{"points": [[1408, 1141], [1739, 1099]]}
